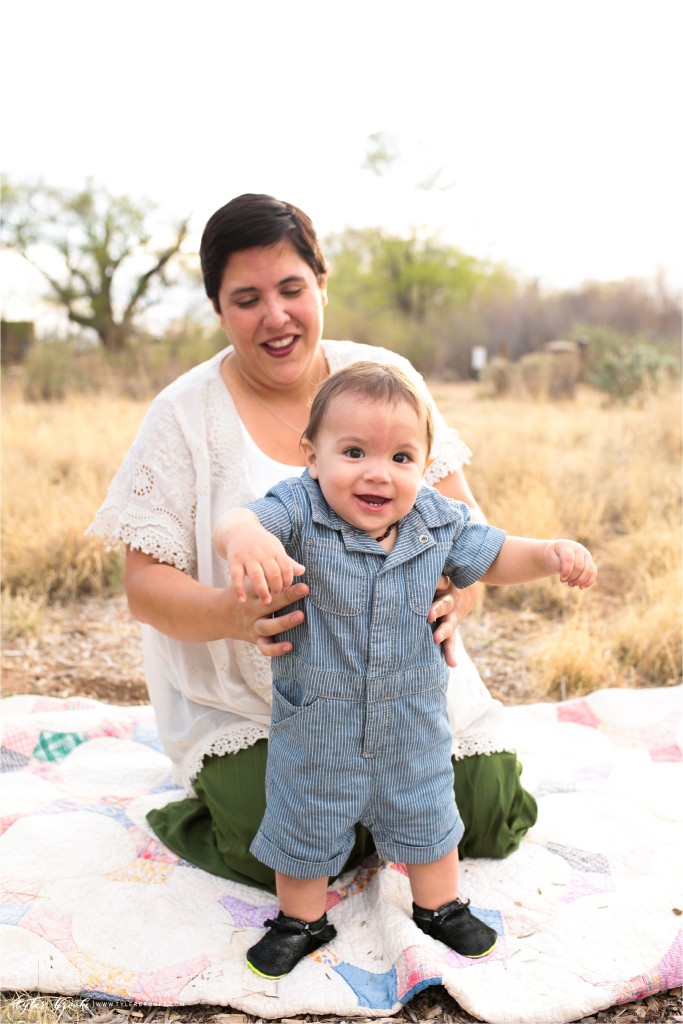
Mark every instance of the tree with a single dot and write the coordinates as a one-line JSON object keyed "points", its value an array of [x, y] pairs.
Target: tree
{"points": [[410, 275], [407, 293], [95, 250]]}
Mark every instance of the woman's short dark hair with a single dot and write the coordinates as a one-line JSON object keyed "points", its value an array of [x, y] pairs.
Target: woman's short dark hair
{"points": [[252, 220]]}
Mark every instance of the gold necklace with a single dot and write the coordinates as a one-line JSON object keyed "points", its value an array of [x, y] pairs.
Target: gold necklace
{"points": [[297, 430]]}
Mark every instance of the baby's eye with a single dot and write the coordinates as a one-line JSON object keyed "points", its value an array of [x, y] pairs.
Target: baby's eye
{"points": [[402, 457], [354, 453]]}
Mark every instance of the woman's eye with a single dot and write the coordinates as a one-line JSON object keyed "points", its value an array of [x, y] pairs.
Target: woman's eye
{"points": [[246, 303], [292, 293], [402, 457], [354, 453]]}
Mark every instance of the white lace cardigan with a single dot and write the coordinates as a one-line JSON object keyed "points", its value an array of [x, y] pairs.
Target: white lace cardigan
{"points": [[186, 467]]}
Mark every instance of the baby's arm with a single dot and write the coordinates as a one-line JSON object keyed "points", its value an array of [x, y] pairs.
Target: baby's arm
{"points": [[251, 551], [522, 559]]}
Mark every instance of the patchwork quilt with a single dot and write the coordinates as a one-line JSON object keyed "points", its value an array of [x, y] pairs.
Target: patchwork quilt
{"points": [[588, 909]]}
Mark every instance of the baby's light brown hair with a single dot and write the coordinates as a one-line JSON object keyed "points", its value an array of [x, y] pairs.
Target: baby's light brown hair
{"points": [[379, 383]]}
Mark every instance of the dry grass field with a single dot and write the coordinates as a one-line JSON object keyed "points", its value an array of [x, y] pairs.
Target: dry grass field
{"points": [[609, 476]]}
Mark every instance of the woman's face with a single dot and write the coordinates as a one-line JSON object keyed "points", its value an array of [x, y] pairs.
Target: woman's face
{"points": [[271, 308]]}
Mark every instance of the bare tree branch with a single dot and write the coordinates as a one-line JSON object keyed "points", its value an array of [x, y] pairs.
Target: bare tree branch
{"points": [[93, 234]]}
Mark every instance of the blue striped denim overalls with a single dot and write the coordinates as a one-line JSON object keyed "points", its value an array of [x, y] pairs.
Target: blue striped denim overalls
{"points": [[360, 730]]}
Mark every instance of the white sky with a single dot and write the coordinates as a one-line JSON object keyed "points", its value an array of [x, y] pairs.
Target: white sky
{"points": [[558, 122]]}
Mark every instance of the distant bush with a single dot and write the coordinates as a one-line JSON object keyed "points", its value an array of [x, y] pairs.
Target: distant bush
{"points": [[549, 374], [144, 369], [496, 378], [629, 372], [539, 375], [57, 368], [48, 372]]}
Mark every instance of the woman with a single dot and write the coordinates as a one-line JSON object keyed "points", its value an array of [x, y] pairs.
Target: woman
{"points": [[217, 437]]}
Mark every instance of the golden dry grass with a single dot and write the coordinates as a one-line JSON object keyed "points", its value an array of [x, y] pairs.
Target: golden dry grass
{"points": [[57, 461], [607, 476]]}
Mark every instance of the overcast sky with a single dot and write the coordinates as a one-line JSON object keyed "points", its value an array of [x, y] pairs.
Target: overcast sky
{"points": [[555, 123]]}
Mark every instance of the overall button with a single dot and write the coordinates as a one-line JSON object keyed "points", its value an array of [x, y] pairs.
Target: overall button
{"points": [[424, 537]]}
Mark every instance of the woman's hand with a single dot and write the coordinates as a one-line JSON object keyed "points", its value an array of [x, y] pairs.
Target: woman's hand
{"points": [[267, 628], [449, 608], [181, 607]]}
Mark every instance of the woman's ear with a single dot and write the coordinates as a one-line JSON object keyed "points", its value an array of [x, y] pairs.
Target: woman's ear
{"points": [[311, 462]]}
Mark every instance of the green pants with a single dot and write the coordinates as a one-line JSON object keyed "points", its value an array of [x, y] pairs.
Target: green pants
{"points": [[214, 831]]}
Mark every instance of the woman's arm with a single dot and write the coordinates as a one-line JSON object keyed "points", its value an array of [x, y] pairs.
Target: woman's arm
{"points": [[181, 607]]}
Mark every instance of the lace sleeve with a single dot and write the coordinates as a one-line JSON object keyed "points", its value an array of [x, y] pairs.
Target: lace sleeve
{"points": [[448, 454], [151, 502]]}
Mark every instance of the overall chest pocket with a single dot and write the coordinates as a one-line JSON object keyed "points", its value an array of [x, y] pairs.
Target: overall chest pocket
{"points": [[420, 586], [337, 578]]}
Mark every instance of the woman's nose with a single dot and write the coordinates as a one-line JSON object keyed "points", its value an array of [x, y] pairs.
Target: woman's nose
{"points": [[275, 313]]}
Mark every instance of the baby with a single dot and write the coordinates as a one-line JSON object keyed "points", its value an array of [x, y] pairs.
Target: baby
{"points": [[360, 729]]}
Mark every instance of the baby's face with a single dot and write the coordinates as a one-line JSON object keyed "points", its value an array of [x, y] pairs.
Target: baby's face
{"points": [[369, 459]]}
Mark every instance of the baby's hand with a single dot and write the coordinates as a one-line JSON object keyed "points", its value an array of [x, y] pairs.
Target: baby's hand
{"points": [[572, 561], [260, 556]]}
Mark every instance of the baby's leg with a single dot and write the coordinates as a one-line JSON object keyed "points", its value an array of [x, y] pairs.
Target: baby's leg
{"points": [[299, 929], [303, 898], [438, 911], [436, 883]]}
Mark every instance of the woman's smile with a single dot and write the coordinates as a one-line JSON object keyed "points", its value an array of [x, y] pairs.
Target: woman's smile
{"points": [[280, 347]]}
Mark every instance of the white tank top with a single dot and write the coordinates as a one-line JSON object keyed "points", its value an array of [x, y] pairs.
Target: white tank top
{"points": [[264, 471]]}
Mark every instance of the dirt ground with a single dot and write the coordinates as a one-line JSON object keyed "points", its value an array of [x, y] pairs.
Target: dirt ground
{"points": [[92, 649]]}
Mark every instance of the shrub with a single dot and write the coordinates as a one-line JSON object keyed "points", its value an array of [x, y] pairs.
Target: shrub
{"points": [[538, 375], [47, 371], [629, 372], [497, 377], [145, 368], [57, 368], [549, 374]]}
